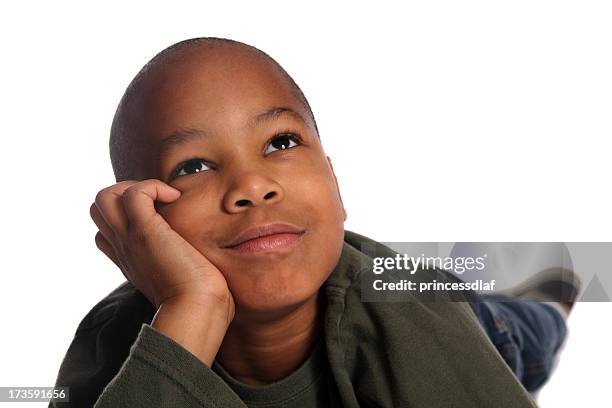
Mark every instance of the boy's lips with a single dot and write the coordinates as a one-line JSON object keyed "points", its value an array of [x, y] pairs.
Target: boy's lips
{"points": [[265, 237], [281, 242]]}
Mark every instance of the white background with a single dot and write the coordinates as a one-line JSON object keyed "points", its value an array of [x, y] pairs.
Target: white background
{"points": [[445, 121]]}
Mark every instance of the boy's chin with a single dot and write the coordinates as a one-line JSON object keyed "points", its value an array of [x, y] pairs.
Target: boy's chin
{"points": [[272, 305]]}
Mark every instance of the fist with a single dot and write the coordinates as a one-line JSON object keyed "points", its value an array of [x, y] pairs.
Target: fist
{"points": [[151, 255]]}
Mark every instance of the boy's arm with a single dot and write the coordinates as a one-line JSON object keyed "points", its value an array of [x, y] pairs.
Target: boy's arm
{"points": [[169, 364], [119, 360], [160, 373]]}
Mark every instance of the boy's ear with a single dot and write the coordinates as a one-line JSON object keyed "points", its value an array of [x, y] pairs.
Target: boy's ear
{"points": [[337, 188]]}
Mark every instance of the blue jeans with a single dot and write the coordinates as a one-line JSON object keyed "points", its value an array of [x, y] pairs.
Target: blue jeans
{"points": [[527, 334]]}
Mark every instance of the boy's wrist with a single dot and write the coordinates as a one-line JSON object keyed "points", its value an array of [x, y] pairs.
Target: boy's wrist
{"points": [[199, 325]]}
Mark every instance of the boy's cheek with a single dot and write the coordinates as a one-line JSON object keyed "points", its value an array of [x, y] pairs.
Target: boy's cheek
{"points": [[323, 195], [195, 223]]}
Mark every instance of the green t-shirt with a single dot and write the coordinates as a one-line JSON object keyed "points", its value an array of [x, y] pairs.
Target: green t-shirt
{"points": [[308, 386]]}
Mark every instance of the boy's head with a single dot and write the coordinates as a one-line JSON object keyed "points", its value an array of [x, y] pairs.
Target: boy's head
{"points": [[223, 123]]}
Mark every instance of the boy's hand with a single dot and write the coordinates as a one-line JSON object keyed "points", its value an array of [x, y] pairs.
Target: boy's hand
{"points": [[151, 255]]}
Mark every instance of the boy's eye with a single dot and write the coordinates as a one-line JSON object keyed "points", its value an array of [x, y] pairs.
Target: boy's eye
{"points": [[282, 141], [189, 167]]}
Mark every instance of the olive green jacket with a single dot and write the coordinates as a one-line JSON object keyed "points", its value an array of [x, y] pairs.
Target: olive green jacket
{"points": [[381, 354]]}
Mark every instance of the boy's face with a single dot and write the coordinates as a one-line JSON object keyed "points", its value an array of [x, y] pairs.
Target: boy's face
{"points": [[220, 92]]}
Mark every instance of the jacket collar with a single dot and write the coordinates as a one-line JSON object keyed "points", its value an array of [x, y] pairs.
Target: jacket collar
{"points": [[415, 354]]}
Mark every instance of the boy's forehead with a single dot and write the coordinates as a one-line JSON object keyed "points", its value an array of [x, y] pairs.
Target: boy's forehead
{"points": [[217, 88]]}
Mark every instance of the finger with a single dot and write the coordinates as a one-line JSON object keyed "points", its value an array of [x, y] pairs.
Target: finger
{"points": [[101, 223], [139, 201], [109, 202], [108, 250], [106, 247]]}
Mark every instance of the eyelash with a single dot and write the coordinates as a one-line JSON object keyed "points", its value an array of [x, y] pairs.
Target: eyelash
{"points": [[292, 135]]}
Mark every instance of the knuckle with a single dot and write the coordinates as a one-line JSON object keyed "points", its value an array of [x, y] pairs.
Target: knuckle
{"points": [[100, 197], [101, 242], [98, 240], [104, 195], [92, 210], [100, 237], [131, 192]]}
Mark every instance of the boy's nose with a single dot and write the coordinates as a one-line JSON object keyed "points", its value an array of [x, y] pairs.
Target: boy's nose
{"points": [[252, 190]]}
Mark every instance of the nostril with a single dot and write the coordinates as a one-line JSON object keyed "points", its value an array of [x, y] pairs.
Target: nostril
{"points": [[242, 203], [269, 195]]}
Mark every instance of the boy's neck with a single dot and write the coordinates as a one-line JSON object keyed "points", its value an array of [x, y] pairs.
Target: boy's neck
{"points": [[258, 353]]}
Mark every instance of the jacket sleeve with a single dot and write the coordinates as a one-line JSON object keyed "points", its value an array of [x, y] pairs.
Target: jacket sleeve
{"points": [[116, 359], [161, 373], [158, 372]]}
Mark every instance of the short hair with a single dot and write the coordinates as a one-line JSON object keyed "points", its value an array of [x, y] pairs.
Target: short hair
{"points": [[124, 148]]}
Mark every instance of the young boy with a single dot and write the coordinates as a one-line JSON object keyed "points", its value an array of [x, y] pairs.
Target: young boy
{"points": [[242, 284]]}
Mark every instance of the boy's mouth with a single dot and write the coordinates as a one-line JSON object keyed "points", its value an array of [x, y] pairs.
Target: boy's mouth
{"points": [[266, 238], [269, 243]]}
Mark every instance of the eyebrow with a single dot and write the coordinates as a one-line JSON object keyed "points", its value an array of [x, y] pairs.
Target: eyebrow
{"points": [[275, 113], [186, 135]]}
